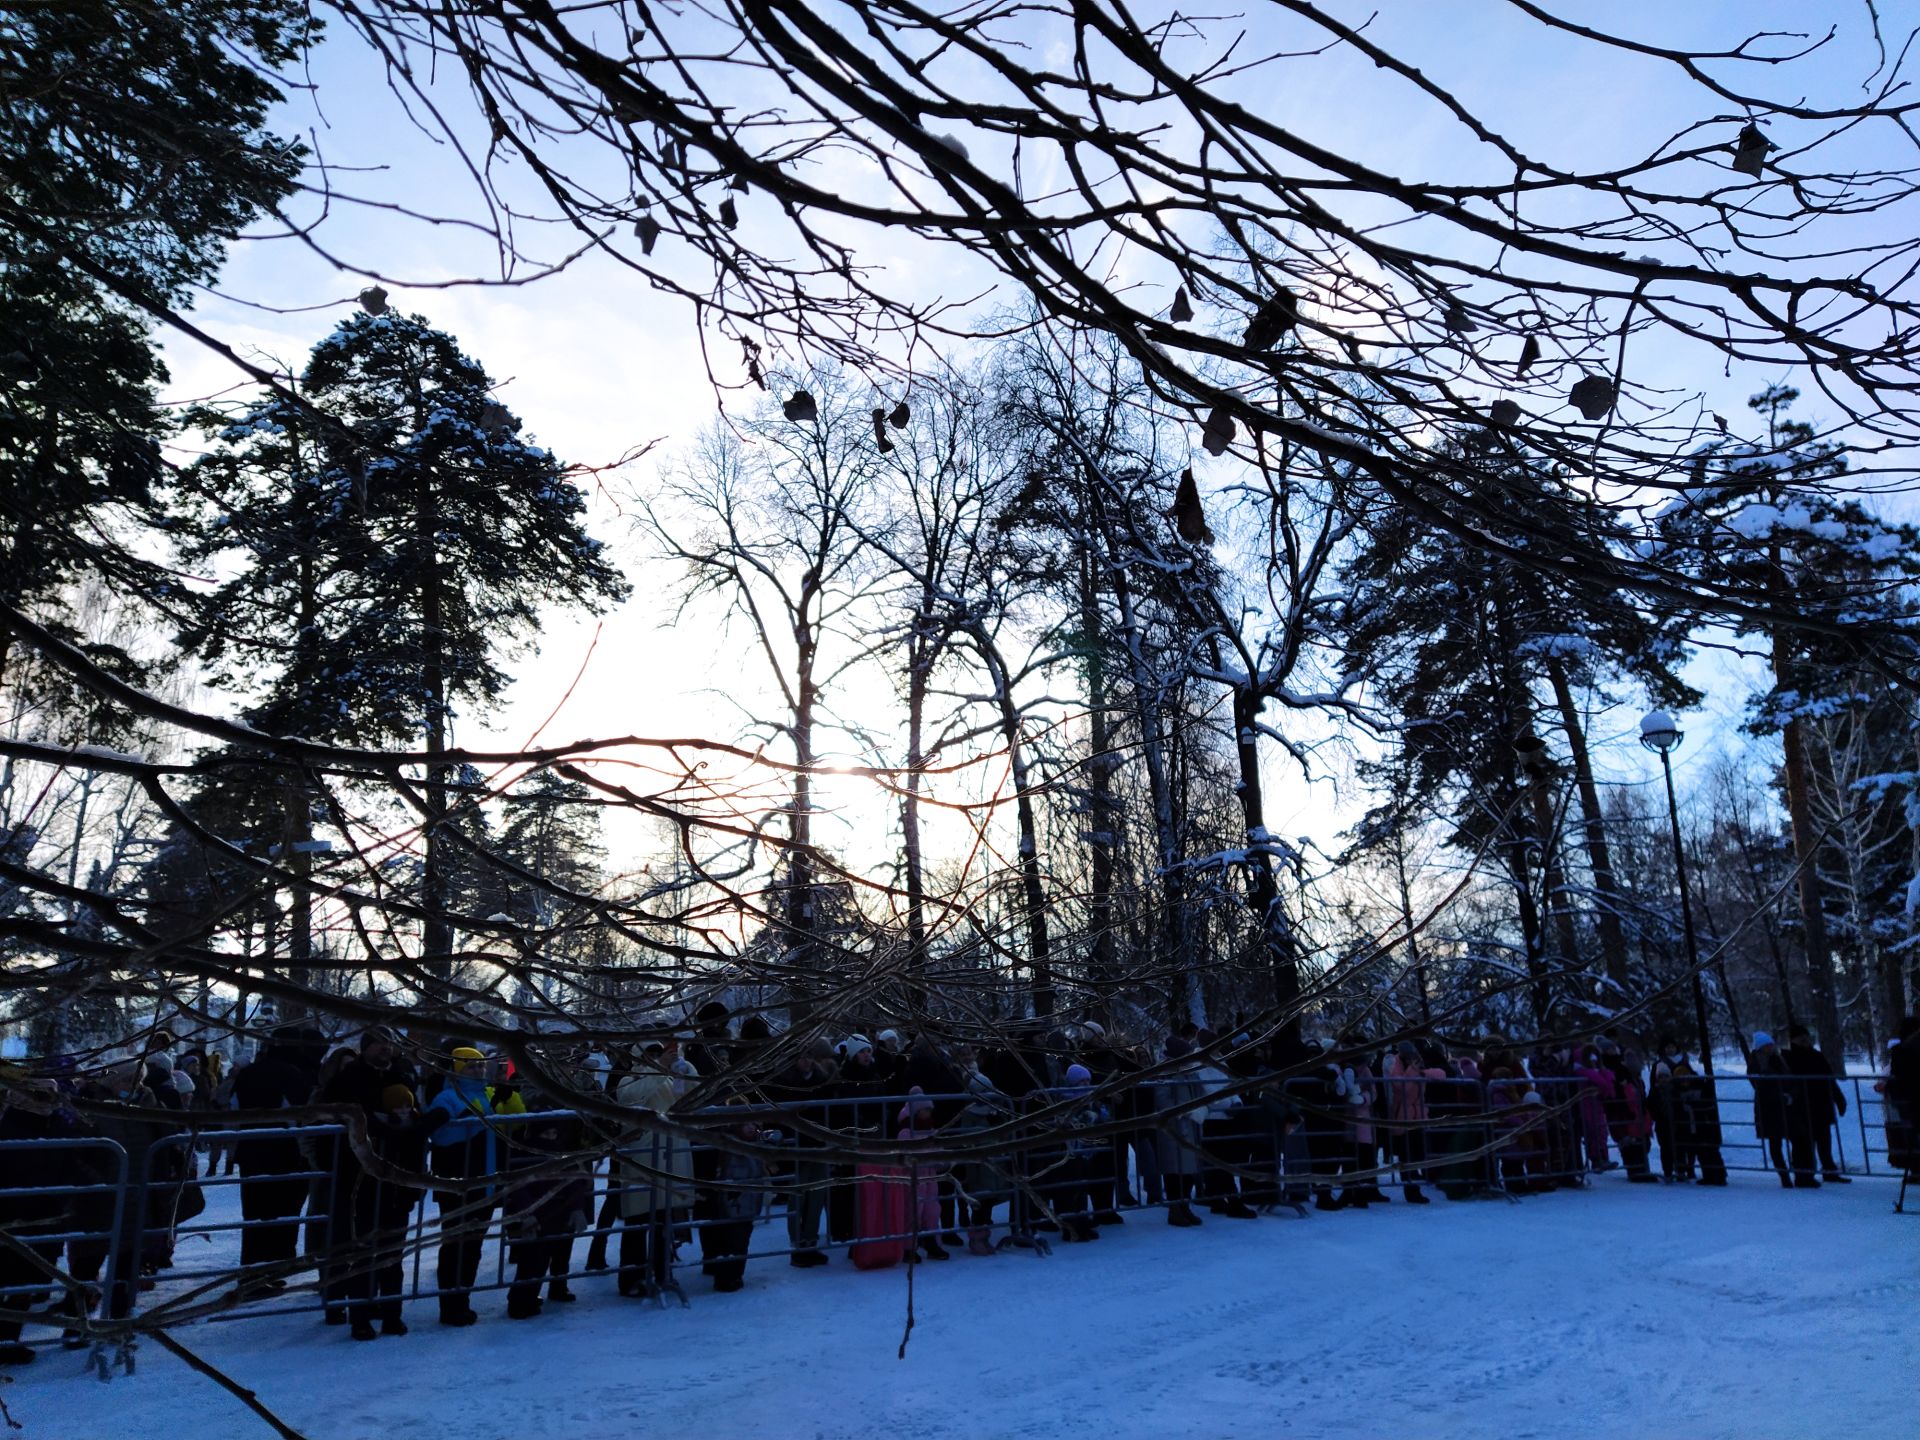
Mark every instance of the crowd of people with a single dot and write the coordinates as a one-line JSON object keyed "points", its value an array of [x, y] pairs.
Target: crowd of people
{"points": [[1042, 1134]]}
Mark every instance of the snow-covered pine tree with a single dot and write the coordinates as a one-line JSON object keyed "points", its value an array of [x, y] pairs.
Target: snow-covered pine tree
{"points": [[1478, 656], [1777, 519]]}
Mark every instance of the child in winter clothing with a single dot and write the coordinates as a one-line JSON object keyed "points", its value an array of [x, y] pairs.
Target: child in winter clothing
{"points": [[915, 1121]]}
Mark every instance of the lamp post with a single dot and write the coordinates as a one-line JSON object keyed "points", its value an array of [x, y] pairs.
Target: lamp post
{"points": [[1659, 732]]}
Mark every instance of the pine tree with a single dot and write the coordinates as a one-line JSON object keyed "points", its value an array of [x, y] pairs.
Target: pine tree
{"points": [[1775, 519], [400, 543], [1474, 654], [132, 148]]}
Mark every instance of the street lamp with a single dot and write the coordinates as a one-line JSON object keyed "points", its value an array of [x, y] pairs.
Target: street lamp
{"points": [[1659, 732]]}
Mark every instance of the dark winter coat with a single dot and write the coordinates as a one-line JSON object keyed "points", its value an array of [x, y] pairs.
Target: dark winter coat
{"points": [[1772, 1095], [276, 1080], [558, 1201], [1695, 1112], [1818, 1096]]}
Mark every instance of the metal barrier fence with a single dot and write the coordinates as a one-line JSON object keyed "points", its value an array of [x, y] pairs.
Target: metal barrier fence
{"points": [[306, 1226]]}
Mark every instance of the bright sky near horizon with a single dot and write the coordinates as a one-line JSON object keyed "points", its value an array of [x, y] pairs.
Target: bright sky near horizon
{"points": [[597, 363]]}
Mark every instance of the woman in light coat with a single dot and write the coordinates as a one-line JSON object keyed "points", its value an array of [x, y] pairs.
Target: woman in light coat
{"points": [[1180, 1160], [654, 1171]]}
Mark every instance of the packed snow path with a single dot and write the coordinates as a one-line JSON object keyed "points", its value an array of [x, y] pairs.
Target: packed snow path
{"points": [[1615, 1311]]}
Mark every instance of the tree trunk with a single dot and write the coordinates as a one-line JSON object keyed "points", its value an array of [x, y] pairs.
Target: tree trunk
{"points": [[1806, 841], [1263, 891], [1033, 892], [1171, 935], [1101, 763], [437, 935], [1606, 889], [1560, 915], [918, 648]]}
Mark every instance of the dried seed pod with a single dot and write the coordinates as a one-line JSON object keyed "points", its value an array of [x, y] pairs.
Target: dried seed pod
{"points": [[1218, 434], [1188, 516], [1503, 414], [729, 213], [1592, 396], [1750, 150], [648, 229], [800, 408], [880, 431], [1458, 320], [373, 300], [1182, 310], [900, 416], [1529, 353], [1275, 318]]}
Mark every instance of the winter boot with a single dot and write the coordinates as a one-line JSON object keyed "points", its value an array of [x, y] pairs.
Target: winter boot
{"points": [[1415, 1197], [934, 1250], [1180, 1213], [979, 1243], [395, 1326], [363, 1330]]}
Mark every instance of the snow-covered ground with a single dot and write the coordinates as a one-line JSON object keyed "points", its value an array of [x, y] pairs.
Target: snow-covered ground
{"points": [[1619, 1310]]}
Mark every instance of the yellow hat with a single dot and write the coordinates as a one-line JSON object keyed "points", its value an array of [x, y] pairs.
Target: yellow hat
{"points": [[465, 1055], [396, 1097]]}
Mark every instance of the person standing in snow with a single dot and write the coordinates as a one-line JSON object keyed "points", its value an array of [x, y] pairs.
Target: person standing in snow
{"points": [[1817, 1100], [1407, 1078], [1177, 1099], [465, 1147], [1627, 1118], [1772, 1105], [803, 1087]]}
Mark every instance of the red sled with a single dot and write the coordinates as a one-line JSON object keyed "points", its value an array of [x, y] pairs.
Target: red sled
{"points": [[884, 1200]]}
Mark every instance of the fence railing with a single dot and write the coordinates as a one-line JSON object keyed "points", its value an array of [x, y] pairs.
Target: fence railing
{"points": [[303, 1223]]}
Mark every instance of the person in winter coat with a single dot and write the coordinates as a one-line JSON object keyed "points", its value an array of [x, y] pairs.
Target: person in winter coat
{"points": [[1696, 1122], [729, 1232], [273, 1185], [916, 1124], [1407, 1078], [465, 1146], [655, 1172], [1901, 1087], [1221, 1140], [27, 1112], [1353, 1088], [547, 1201], [1627, 1118], [982, 1182], [1818, 1099], [359, 1081], [861, 1093], [382, 1210], [1773, 1096], [1597, 1092], [806, 1086], [1178, 1098]]}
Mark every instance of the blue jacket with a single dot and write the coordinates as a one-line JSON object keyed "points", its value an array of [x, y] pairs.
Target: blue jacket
{"points": [[463, 1139]]}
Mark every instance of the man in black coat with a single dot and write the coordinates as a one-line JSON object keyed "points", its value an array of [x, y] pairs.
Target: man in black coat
{"points": [[360, 1083], [273, 1185], [1817, 1100]]}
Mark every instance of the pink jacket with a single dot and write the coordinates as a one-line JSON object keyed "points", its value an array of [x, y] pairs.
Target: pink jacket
{"points": [[1407, 1090]]}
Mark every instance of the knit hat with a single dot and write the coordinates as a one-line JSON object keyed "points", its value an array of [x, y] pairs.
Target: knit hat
{"points": [[465, 1055], [888, 1037], [854, 1045], [1761, 1039], [916, 1102], [161, 1061], [396, 1097], [1079, 1075]]}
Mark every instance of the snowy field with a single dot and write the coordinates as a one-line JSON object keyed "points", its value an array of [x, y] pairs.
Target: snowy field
{"points": [[1620, 1310]]}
